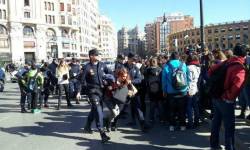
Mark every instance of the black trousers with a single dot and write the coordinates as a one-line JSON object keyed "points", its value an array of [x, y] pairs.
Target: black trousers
{"points": [[177, 107], [96, 112]]}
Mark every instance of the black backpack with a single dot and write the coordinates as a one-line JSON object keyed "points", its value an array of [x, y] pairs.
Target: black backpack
{"points": [[154, 81], [214, 87]]}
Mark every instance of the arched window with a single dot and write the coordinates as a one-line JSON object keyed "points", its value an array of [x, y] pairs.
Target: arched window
{"points": [[28, 31], [51, 33], [3, 30]]}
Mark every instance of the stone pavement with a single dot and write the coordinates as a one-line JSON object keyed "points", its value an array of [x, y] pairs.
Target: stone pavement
{"points": [[62, 130]]}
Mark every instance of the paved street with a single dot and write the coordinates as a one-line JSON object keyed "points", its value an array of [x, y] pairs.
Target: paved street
{"points": [[62, 130]]}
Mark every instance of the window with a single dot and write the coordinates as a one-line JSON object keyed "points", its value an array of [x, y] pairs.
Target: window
{"points": [[4, 14], [68, 7], [61, 6], [237, 37], [50, 19], [3, 1], [209, 31], [245, 28], [69, 20], [49, 6], [28, 31], [51, 33], [4, 43], [26, 14], [1, 14], [62, 19], [52, 7], [230, 29], [46, 18], [237, 29], [222, 30], [3, 30], [53, 19], [45, 5], [216, 39], [73, 2], [216, 30], [26, 2]]}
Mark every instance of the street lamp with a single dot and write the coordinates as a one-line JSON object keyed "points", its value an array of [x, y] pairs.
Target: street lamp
{"points": [[202, 35], [164, 22]]}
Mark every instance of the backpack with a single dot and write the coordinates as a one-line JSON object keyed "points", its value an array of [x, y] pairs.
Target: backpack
{"points": [[32, 84], [214, 87], [154, 82], [179, 77]]}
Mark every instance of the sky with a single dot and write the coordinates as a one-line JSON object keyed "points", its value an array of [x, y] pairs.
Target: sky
{"points": [[130, 13]]}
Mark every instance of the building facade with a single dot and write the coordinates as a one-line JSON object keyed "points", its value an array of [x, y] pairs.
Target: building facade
{"points": [[107, 38], [158, 31], [223, 36], [130, 40], [44, 29]]}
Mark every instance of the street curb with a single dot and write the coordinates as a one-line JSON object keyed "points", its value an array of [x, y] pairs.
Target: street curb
{"points": [[239, 144]]}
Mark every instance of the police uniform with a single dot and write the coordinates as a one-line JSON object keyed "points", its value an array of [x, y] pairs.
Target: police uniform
{"points": [[92, 79]]}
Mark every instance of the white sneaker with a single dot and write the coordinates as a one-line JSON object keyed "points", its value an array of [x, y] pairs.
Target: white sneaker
{"points": [[171, 128], [183, 128]]}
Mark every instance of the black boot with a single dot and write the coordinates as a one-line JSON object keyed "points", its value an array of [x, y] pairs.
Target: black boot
{"points": [[87, 129], [144, 126], [104, 137], [23, 110]]}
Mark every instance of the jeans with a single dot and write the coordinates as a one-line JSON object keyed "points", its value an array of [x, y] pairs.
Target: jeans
{"points": [[223, 111], [64, 87], [192, 110], [153, 106], [177, 105], [74, 87]]}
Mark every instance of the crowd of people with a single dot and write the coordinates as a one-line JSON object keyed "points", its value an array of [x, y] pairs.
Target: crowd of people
{"points": [[179, 87]]}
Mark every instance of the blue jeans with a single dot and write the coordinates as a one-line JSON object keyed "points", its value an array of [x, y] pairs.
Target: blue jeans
{"points": [[192, 110], [223, 111]]}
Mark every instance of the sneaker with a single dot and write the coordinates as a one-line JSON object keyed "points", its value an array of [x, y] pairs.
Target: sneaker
{"points": [[248, 117], [36, 111], [77, 102], [183, 128], [46, 106], [171, 128]]}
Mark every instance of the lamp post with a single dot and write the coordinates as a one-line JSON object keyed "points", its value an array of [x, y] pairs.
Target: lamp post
{"points": [[202, 35], [164, 21]]}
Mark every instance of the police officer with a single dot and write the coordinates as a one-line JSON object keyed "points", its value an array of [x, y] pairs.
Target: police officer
{"points": [[135, 103], [120, 62], [74, 86], [23, 90], [92, 78]]}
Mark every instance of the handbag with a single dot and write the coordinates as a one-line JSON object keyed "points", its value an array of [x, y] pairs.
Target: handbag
{"points": [[65, 77], [121, 94]]}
